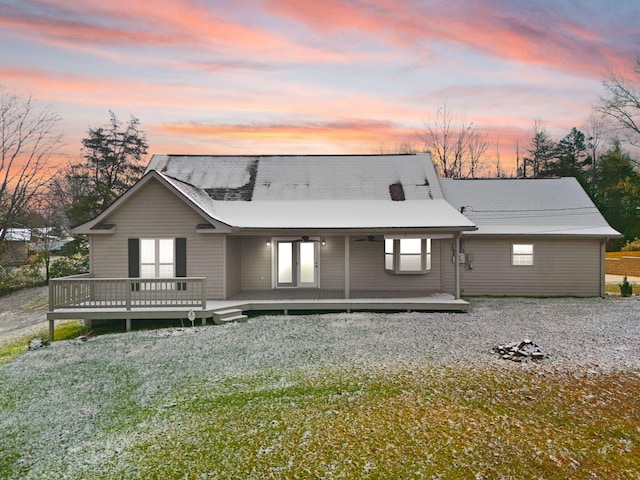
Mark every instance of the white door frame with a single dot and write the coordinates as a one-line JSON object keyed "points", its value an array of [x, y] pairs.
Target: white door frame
{"points": [[297, 273]]}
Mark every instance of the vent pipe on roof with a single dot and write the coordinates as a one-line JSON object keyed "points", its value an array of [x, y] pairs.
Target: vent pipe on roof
{"points": [[396, 190]]}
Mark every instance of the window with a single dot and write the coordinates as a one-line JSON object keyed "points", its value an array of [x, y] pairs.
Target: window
{"points": [[157, 258], [522, 254], [407, 255]]}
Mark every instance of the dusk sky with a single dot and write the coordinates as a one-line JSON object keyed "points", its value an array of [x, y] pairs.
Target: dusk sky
{"points": [[324, 76]]}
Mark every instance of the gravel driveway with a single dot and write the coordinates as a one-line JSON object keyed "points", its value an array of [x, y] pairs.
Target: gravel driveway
{"points": [[593, 331]]}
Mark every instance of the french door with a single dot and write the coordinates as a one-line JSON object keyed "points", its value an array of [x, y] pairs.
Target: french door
{"points": [[296, 263]]}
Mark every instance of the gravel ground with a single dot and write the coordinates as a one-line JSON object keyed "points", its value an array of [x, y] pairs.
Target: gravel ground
{"points": [[573, 332], [23, 313]]}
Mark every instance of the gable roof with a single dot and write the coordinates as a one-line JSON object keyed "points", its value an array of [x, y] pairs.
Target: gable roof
{"points": [[304, 177], [313, 191], [100, 224], [554, 206], [301, 192]]}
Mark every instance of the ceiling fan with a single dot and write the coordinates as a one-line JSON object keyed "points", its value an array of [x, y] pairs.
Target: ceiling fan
{"points": [[369, 238], [306, 239]]}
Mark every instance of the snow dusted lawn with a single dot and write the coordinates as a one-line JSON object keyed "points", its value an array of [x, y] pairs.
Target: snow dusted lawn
{"points": [[362, 395]]}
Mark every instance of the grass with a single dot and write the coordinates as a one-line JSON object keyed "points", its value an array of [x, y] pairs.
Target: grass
{"points": [[417, 423], [65, 330], [615, 288], [392, 422], [323, 397]]}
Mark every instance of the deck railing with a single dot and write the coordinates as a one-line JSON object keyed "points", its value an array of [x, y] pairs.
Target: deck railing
{"points": [[83, 291]]}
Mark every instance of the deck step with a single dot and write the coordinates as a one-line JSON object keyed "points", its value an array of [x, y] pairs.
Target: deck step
{"points": [[230, 315]]}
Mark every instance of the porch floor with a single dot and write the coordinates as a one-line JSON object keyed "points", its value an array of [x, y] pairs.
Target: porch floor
{"points": [[284, 301]]}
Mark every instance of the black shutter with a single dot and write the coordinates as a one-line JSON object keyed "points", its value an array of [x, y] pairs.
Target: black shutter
{"points": [[181, 261], [181, 257], [134, 261], [134, 258]]}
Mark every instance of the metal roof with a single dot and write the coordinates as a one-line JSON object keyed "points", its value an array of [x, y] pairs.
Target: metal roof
{"points": [[304, 177], [554, 206]]}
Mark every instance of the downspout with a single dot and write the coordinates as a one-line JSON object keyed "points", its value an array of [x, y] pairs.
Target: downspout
{"points": [[456, 263]]}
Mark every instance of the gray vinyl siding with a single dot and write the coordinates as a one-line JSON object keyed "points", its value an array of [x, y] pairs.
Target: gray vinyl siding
{"points": [[154, 213], [569, 267], [255, 263], [332, 264], [368, 273]]}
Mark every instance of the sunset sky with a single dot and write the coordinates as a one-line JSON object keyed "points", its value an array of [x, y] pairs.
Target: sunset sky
{"points": [[324, 76]]}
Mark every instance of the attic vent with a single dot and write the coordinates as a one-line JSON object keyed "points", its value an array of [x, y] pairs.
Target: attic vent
{"points": [[396, 191]]}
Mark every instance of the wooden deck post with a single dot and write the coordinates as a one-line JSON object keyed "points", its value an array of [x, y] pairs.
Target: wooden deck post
{"points": [[203, 286], [128, 324], [128, 289], [51, 329]]}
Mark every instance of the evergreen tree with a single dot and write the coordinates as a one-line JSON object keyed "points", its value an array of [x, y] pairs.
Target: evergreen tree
{"points": [[541, 151], [570, 157], [618, 194], [112, 162]]}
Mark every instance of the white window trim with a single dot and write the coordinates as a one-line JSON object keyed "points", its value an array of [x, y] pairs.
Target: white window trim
{"points": [[523, 255], [425, 257], [157, 263]]}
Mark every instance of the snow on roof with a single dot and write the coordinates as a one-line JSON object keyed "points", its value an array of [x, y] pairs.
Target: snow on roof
{"points": [[556, 206], [342, 215], [17, 235], [305, 177], [325, 213]]}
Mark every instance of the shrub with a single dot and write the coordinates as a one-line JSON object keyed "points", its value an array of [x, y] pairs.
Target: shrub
{"points": [[631, 246], [27, 276], [626, 290], [65, 266]]}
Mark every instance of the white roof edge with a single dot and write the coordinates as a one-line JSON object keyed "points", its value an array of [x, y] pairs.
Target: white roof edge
{"points": [[89, 227]]}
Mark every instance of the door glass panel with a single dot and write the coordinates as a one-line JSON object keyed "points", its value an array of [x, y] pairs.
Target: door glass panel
{"points": [[307, 262], [285, 262]]}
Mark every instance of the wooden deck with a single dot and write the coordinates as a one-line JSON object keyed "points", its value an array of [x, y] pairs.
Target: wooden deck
{"points": [[284, 301]]}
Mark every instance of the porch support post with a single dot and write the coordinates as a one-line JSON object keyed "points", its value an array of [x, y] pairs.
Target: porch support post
{"points": [[603, 271], [347, 272], [128, 324], [456, 264], [51, 329]]}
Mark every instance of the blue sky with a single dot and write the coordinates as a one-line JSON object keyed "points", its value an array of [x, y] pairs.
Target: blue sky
{"points": [[337, 76]]}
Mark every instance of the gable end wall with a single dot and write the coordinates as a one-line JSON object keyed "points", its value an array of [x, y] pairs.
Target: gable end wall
{"points": [[155, 212]]}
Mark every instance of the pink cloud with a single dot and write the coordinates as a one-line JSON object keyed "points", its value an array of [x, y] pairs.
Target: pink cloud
{"points": [[177, 23], [501, 30]]}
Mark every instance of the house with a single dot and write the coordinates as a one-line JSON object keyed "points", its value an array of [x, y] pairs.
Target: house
{"points": [[327, 232], [534, 237], [14, 247]]}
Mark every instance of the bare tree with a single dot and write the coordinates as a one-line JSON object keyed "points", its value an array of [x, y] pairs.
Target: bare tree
{"points": [[498, 163], [477, 145], [27, 142], [401, 148], [595, 130], [621, 105], [455, 145]]}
